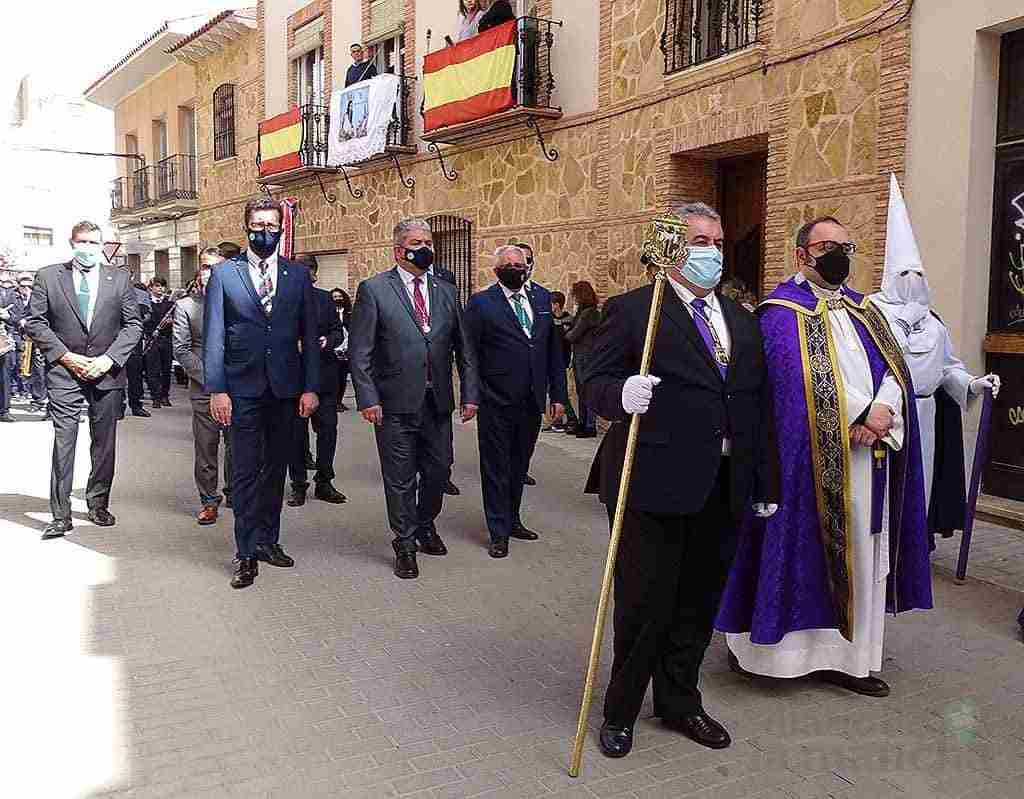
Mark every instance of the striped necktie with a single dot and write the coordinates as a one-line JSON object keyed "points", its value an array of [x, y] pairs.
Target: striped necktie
{"points": [[521, 315], [266, 288]]}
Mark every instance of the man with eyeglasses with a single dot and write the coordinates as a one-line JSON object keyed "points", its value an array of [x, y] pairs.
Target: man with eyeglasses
{"points": [[810, 586], [261, 362]]}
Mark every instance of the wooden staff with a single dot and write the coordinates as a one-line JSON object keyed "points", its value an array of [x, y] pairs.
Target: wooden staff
{"points": [[613, 541]]}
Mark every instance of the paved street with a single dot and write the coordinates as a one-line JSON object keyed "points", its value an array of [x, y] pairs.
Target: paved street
{"points": [[131, 669]]}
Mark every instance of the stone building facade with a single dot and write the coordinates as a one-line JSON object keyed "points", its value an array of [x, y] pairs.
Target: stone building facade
{"points": [[815, 108]]}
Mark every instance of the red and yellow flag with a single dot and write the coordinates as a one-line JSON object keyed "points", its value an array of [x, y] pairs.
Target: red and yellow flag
{"points": [[471, 80], [281, 142]]}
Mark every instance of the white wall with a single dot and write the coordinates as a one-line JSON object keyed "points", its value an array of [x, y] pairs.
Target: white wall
{"points": [[275, 50], [346, 27]]}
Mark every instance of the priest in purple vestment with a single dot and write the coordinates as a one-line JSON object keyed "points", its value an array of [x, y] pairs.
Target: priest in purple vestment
{"points": [[810, 586]]}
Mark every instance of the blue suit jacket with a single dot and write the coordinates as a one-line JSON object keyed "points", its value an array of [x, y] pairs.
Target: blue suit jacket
{"points": [[245, 352], [512, 365]]}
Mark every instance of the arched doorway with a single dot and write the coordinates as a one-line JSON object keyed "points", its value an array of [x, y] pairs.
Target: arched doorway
{"points": [[453, 247]]}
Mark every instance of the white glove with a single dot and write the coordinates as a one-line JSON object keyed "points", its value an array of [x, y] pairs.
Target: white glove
{"points": [[765, 510], [637, 392], [979, 384]]}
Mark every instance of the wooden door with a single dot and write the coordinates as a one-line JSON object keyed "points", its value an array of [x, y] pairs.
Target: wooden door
{"points": [[742, 192]]}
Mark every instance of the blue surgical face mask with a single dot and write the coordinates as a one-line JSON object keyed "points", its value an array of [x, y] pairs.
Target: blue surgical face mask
{"points": [[704, 267], [87, 255]]}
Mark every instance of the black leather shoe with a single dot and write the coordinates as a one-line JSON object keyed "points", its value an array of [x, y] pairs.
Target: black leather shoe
{"points": [[523, 533], [529, 481], [140, 411], [703, 729], [56, 529], [102, 517], [616, 741], [405, 565], [328, 493], [499, 548], [246, 570], [166, 401], [432, 544], [451, 489], [297, 497], [274, 555], [867, 686]]}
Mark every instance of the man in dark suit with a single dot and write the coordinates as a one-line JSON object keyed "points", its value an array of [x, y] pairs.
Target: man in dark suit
{"points": [[539, 296], [706, 451], [330, 334], [499, 12], [520, 361], [261, 359], [406, 329], [84, 318], [158, 355]]}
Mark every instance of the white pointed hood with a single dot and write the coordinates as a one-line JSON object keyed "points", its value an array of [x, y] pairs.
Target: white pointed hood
{"points": [[903, 282]]}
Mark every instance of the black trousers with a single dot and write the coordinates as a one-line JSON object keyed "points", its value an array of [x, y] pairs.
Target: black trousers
{"points": [[506, 436], [262, 438], [415, 462], [325, 425], [158, 368], [669, 577], [343, 370], [133, 369], [65, 405], [6, 382]]}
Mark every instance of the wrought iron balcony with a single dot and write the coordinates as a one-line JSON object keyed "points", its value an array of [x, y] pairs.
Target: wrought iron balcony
{"points": [[142, 187], [697, 31], [533, 87], [176, 178], [400, 138], [118, 196]]}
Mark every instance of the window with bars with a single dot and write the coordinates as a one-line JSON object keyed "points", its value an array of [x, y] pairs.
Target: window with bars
{"points": [[224, 122], [697, 31]]}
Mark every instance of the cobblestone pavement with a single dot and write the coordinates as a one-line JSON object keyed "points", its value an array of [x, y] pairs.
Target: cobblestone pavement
{"points": [[132, 670]]}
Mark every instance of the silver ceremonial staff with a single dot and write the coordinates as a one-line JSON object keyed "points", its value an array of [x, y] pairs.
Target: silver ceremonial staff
{"points": [[664, 247]]}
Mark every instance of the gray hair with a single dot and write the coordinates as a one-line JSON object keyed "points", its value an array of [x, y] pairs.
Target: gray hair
{"points": [[406, 226], [504, 249], [698, 209]]}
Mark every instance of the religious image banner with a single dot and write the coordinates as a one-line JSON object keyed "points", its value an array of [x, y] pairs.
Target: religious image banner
{"points": [[360, 117], [470, 80], [280, 143]]}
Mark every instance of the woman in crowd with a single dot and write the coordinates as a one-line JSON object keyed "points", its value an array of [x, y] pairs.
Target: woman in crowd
{"points": [[471, 11], [581, 337], [343, 304]]}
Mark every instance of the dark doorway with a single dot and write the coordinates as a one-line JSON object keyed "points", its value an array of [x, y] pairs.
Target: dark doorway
{"points": [[742, 185], [162, 265], [453, 248], [189, 259]]}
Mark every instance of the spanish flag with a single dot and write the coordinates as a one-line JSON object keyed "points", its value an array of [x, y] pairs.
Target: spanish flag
{"points": [[281, 143], [471, 80]]}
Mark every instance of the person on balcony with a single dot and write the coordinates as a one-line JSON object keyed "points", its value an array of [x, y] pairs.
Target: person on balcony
{"points": [[361, 68], [471, 12], [495, 14]]}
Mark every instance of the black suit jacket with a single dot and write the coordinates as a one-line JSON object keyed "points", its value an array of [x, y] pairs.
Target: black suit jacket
{"points": [[499, 12], [328, 325], [679, 448], [56, 325], [514, 366]]}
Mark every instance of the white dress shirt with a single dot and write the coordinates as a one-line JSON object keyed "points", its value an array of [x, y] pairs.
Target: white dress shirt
{"points": [[410, 288], [92, 279], [257, 276], [509, 294]]}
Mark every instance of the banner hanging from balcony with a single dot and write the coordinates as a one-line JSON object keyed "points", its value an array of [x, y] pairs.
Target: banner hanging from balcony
{"points": [[470, 80], [360, 118], [280, 144]]}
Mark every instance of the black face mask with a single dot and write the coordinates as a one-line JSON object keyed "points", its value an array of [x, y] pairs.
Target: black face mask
{"points": [[339, 303], [834, 267], [264, 242], [511, 278], [421, 258]]}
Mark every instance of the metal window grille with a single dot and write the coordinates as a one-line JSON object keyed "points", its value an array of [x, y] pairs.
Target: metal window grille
{"points": [[453, 249], [697, 31], [176, 178], [224, 122]]}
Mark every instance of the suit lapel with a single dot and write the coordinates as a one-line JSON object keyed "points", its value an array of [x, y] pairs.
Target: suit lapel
{"points": [[432, 295], [241, 265], [736, 341], [104, 289], [403, 296], [508, 313], [67, 283], [284, 283], [674, 310]]}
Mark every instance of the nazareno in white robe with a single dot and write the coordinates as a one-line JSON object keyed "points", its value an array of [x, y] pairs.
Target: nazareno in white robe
{"points": [[804, 651]]}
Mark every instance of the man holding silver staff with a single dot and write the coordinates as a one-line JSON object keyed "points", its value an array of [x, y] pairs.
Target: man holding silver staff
{"points": [[706, 395]]}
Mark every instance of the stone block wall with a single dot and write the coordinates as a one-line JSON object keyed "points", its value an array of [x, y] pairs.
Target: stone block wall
{"points": [[830, 118]]}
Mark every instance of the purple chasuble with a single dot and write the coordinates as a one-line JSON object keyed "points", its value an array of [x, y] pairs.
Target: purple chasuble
{"points": [[784, 577]]}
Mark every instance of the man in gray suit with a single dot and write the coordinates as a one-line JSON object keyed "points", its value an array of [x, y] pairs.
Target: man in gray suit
{"points": [[406, 328], [84, 318], [206, 431]]}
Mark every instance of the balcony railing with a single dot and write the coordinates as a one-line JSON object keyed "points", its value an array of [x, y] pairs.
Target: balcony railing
{"points": [[176, 178], [400, 128], [697, 31], [142, 193], [118, 196]]}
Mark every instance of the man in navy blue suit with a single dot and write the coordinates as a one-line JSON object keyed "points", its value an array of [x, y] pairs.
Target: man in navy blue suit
{"points": [[520, 362], [261, 356]]}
